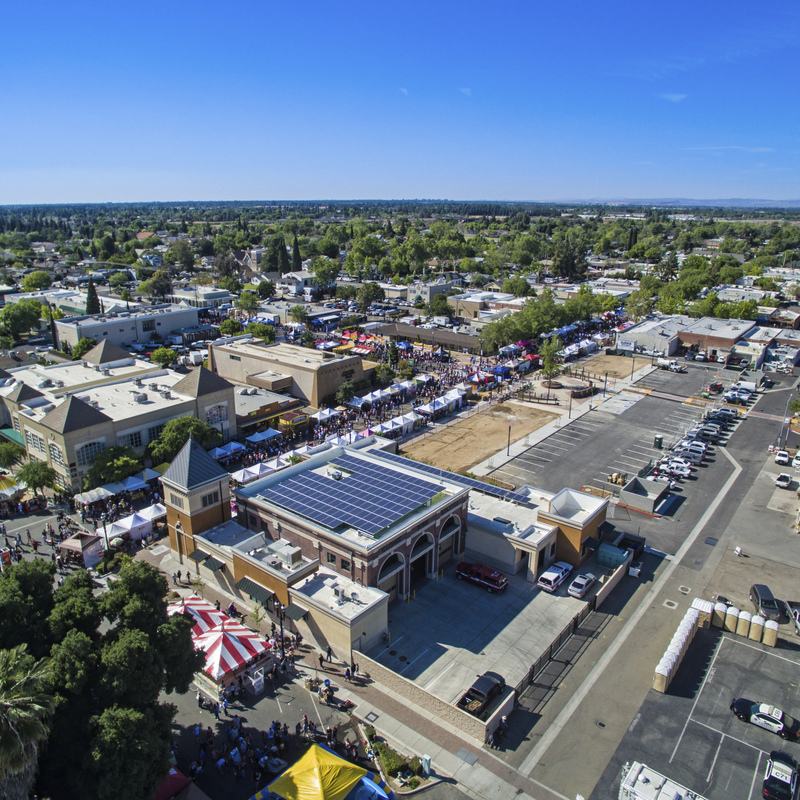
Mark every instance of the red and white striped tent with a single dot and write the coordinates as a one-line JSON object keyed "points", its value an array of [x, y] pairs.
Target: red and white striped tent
{"points": [[229, 646], [205, 615]]}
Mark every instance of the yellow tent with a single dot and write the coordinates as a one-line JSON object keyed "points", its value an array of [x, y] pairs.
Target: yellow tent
{"points": [[162, 468], [318, 775], [7, 482]]}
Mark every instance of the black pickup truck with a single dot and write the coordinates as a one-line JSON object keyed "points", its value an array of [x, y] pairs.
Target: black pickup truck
{"points": [[478, 697]]}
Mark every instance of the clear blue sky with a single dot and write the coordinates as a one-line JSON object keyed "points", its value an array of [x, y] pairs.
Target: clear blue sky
{"points": [[472, 100]]}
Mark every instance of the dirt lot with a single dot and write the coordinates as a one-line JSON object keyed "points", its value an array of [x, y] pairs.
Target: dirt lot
{"points": [[615, 366], [464, 444]]}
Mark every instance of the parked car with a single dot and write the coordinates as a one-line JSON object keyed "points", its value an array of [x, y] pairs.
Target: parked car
{"points": [[782, 457], [781, 778], [766, 716], [764, 602], [554, 576], [796, 461], [783, 481], [490, 579], [581, 585]]}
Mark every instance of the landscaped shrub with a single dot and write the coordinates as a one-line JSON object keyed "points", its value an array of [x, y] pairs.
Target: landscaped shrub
{"points": [[413, 783], [391, 761], [369, 732], [415, 765]]}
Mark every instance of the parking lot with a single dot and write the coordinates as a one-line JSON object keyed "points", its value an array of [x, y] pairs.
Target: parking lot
{"points": [[618, 436], [467, 632], [690, 734]]}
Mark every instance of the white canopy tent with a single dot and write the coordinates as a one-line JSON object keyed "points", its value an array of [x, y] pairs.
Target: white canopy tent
{"points": [[325, 413], [93, 496], [262, 436], [156, 511]]}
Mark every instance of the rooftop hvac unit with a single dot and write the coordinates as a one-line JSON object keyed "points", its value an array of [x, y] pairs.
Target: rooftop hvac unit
{"points": [[105, 372], [337, 592], [59, 384], [47, 407], [97, 368], [140, 397], [153, 387], [137, 381], [166, 395], [94, 403]]}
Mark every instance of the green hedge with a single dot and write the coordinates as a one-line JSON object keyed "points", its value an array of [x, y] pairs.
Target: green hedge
{"points": [[391, 761]]}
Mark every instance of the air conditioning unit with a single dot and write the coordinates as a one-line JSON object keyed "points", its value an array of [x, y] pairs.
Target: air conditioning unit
{"points": [[166, 395], [59, 384], [94, 403], [137, 381], [97, 368], [153, 387], [105, 372], [140, 397]]}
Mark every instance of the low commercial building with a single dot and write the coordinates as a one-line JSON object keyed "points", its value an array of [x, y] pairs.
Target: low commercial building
{"points": [[66, 414], [73, 302], [378, 523], [201, 297], [325, 606], [126, 327], [257, 409], [311, 375], [435, 337]]}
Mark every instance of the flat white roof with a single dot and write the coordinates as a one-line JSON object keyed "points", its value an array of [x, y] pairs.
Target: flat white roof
{"points": [[338, 594], [74, 374]]}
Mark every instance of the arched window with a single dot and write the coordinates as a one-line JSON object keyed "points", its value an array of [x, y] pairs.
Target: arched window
{"points": [[86, 454]]}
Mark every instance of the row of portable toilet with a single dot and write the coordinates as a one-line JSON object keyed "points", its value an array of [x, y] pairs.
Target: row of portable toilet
{"points": [[743, 623], [704, 614], [671, 660]]}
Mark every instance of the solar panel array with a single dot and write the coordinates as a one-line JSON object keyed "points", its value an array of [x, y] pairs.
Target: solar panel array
{"points": [[462, 480], [371, 498]]}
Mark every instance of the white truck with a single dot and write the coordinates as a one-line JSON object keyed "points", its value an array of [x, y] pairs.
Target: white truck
{"points": [[748, 386], [640, 782], [669, 363]]}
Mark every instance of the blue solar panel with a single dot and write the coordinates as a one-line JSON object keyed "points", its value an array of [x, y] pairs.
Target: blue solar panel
{"points": [[370, 497], [462, 480]]}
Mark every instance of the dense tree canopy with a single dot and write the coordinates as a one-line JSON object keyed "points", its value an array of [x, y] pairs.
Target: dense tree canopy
{"points": [[176, 433]]}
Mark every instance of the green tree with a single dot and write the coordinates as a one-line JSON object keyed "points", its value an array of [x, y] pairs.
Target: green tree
{"points": [[26, 707], [175, 434], [569, 254], [201, 279], [126, 295], [21, 316], [112, 464], [368, 294], [247, 302], [384, 375], [298, 313], [230, 327], [10, 454], [639, 304], [92, 300], [325, 272], [118, 280], [549, 352], [231, 284], [519, 287], [262, 330], [265, 289], [37, 476], [36, 281], [181, 254], [345, 392], [439, 307], [83, 346], [164, 356], [297, 259], [283, 263]]}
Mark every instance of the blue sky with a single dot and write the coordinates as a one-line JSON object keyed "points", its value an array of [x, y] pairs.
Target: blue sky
{"points": [[506, 100]]}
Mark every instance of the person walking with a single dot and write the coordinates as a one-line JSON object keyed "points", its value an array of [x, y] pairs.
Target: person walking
{"points": [[329, 653], [178, 573], [321, 661]]}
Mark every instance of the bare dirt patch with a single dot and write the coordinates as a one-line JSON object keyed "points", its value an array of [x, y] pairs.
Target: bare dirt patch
{"points": [[464, 444], [615, 366]]}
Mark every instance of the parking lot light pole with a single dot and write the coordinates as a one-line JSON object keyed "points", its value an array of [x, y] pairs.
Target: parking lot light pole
{"points": [[280, 611]]}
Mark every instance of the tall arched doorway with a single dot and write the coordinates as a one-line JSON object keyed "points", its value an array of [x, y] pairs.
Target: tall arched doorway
{"points": [[421, 560], [449, 541], [390, 576]]}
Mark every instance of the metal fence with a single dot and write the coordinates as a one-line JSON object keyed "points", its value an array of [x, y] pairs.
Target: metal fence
{"points": [[566, 634]]}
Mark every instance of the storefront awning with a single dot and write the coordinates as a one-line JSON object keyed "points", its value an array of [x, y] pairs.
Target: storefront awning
{"points": [[295, 612], [199, 556], [214, 564], [13, 436], [255, 591]]}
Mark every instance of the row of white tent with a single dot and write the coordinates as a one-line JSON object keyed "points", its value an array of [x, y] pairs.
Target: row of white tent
{"points": [[452, 400], [136, 525]]}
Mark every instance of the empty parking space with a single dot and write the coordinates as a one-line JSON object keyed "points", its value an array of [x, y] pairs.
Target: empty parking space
{"points": [[691, 735]]}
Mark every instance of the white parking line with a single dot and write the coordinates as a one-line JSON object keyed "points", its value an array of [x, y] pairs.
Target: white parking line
{"points": [[732, 738], [714, 762], [756, 773], [709, 671], [436, 678], [412, 662], [544, 446]]}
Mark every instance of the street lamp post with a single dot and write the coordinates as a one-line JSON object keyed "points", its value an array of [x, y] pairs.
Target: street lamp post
{"points": [[280, 610]]}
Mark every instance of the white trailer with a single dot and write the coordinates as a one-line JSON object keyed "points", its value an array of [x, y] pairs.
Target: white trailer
{"points": [[640, 782]]}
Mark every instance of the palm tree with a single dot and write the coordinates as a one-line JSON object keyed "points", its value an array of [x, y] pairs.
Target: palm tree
{"points": [[25, 710]]}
